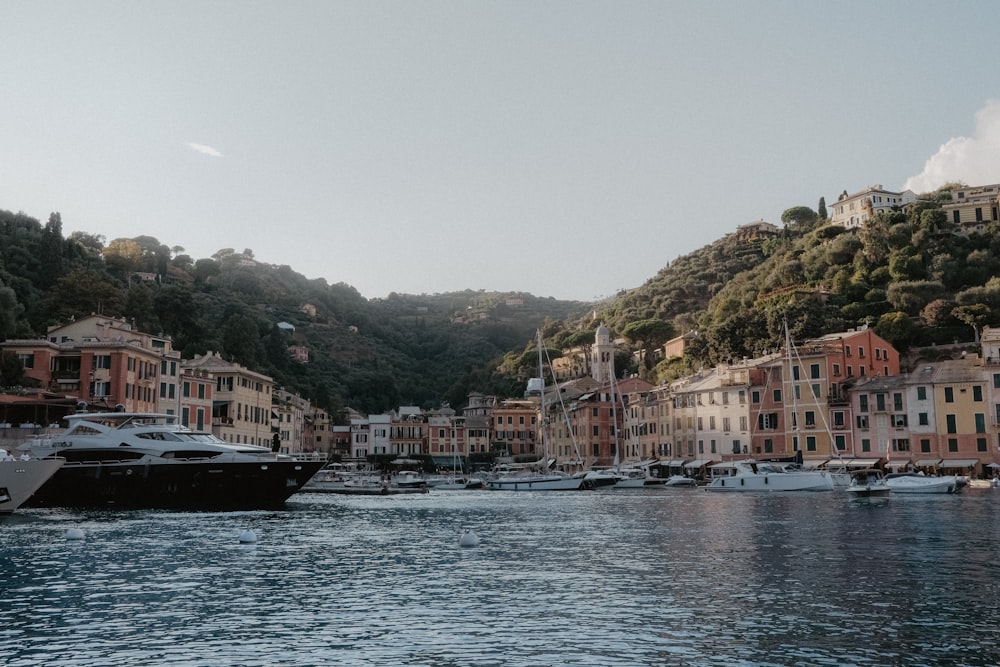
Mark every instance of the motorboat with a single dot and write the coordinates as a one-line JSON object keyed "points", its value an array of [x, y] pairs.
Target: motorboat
{"points": [[22, 477], [150, 460], [680, 480], [768, 476], [410, 479], [868, 485], [915, 482]]}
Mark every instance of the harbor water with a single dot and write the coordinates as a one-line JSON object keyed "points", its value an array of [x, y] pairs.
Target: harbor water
{"points": [[605, 578]]}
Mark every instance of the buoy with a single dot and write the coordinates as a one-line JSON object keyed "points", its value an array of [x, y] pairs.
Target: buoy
{"points": [[469, 539], [74, 534], [247, 537]]}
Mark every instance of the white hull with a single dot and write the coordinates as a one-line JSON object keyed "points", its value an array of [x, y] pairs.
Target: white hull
{"points": [[539, 483], [748, 476], [630, 483], [922, 484], [20, 479]]}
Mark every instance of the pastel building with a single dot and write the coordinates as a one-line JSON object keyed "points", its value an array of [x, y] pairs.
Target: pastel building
{"points": [[853, 211]]}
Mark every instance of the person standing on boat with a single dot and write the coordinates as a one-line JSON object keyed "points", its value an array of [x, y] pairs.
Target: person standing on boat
{"points": [[276, 443]]}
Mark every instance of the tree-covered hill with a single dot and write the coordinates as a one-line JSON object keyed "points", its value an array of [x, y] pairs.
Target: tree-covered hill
{"points": [[370, 355], [910, 273]]}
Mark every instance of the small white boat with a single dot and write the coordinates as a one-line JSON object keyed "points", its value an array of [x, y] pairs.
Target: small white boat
{"points": [[680, 480], [20, 478], [915, 482], [868, 485]]}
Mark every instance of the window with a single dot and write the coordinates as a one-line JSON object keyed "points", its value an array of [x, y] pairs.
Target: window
{"points": [[836, 370], [922, 419], [925, 445], [777, 395], [866, 445], [816, 391], [879, 402], [980, 422], [596, 431], [980, 444], [701, 424], [755, 396], [841, 442], [711, 422], [863, 422], [952, 427], [594, 412], [922, 393], [736, 446], [27, 359], [861, 352], [863, 403], [977, 393], [898, 420], [897, 402], [901, 445], [725, 424], [814, 371], [810, 419], [768, 446], [949, 395], [838, 419], [952, 444], [810, 443]]}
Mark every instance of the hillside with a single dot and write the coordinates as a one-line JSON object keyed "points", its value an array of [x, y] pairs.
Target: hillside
{"points": [[910, 273]]}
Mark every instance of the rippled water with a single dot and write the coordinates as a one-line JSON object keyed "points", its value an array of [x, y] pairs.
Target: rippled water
{"points": [[651, 577]]}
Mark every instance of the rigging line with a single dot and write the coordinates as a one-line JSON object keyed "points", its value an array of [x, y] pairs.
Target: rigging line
{"points": [[543, 351], [790, 349]]}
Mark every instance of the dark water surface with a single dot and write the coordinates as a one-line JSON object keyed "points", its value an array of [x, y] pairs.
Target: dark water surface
{"points": [[649, 577]]}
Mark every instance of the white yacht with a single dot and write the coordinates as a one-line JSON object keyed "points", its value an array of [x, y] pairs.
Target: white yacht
{"points": [[765, 476], [139, 460]]}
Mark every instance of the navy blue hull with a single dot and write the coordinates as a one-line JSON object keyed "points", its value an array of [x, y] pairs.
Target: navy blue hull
{"points": [[197, 485]]}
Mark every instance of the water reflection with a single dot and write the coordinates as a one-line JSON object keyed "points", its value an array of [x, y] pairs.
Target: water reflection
{"points": [[671, 576]]}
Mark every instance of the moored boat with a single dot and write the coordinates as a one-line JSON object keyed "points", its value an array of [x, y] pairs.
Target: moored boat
{"points": [[20, 478], [868, 485], [765, 476], [914, 482], [149, 460]]}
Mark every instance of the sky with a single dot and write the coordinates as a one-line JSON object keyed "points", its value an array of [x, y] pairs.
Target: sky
{"points": [[564, 149]]}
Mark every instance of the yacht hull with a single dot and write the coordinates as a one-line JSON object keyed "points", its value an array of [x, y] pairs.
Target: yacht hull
{"points": [[20, 479], [199, 485], [542, 483]]}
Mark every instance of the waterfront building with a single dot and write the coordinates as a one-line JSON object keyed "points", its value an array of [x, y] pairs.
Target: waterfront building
{"points": [[288, 420], [408, 432], [103, 361], [241, 410], [514, 429], [195, 400]]}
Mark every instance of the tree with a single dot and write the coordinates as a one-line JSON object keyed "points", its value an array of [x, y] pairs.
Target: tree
{"points": [[650, 334], [898, 329], [821, 209], [11, 370], [800, 216], [976, 316]]}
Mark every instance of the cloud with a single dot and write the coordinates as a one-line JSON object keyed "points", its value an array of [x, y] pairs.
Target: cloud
{"points": [[203, 149], [972, 160]]}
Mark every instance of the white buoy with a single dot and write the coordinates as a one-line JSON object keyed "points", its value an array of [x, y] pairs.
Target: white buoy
{"points": [[74, 534], [248, 537], [469, 539]]}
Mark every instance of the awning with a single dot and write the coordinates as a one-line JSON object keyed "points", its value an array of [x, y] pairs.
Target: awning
{"points": [[696, 464], [676, 464], [927, 463], [993, 465], [897, 464], [959, 463]]}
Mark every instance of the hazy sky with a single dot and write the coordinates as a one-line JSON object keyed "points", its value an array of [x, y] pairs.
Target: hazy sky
{"points": [[567, 149]]}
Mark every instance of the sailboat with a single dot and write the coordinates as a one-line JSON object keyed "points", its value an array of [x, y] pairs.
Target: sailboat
{"points": [[751, 475], [457, 481], [537, 476]]}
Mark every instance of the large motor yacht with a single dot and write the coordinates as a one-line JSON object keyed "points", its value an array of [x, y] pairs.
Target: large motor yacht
{"points": [[147, 460]]}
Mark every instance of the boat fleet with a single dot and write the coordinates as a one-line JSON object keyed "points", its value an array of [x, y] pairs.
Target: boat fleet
{"points": [[149, 460]]}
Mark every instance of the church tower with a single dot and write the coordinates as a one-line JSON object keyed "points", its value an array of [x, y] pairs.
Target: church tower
{"points": [[603, 356]]}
